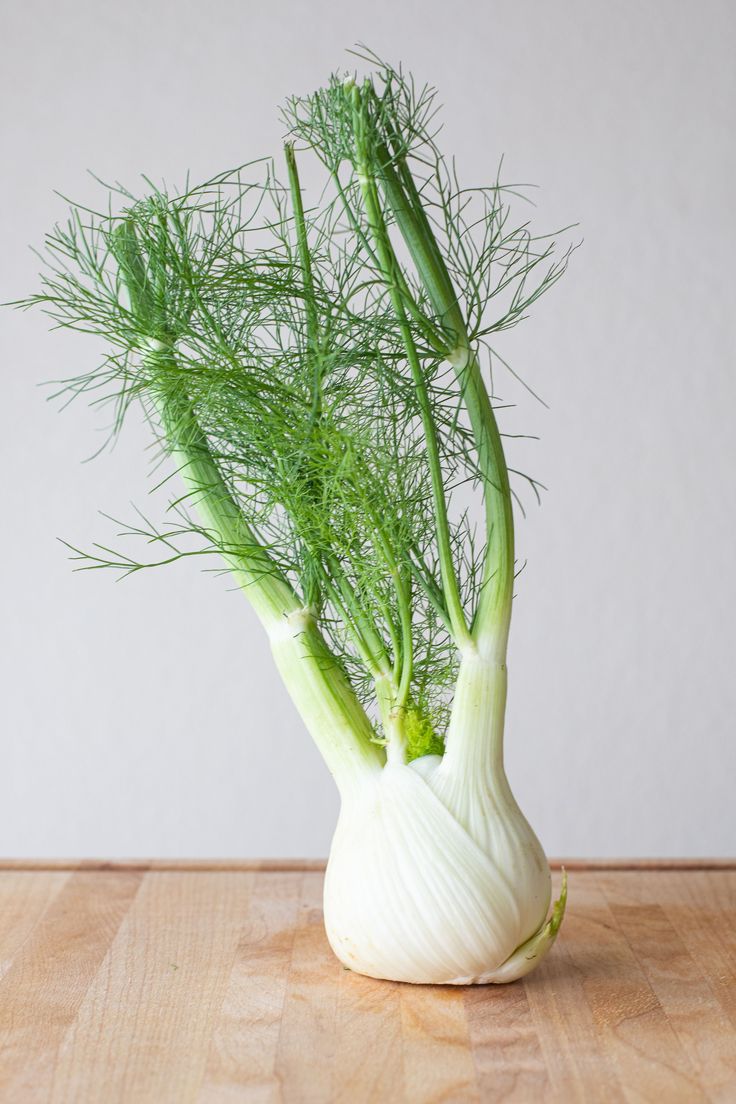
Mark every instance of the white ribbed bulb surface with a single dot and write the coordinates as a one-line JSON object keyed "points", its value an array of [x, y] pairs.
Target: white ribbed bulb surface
{"points": [[412, 894]]}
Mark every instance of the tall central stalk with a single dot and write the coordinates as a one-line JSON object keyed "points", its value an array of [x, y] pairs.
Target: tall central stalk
{"points": [[474, 741]]}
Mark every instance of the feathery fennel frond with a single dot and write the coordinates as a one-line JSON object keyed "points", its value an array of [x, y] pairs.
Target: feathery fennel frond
{"points": [[316, 373]]}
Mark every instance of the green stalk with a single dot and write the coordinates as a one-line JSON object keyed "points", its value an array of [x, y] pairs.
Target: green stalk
{"points": [[305, 260], [374, 652], [430, 332], [313, 355], [404, 658], [491, 622], [326, 701], [315, 681], [367, 637], [389, 269], [318, 687], [474, 746], [267, 590]]}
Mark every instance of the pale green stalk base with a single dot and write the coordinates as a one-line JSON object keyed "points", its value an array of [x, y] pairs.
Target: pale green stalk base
{"points": [[332, 714]]}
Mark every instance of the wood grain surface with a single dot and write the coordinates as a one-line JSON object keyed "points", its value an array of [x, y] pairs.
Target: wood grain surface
{"points": [[164, 982]]}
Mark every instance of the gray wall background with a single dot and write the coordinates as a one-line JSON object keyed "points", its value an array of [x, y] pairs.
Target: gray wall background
{"points": [[144, 717]]}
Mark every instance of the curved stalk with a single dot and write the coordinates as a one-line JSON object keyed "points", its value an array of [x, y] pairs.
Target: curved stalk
{"points": [[315, 681], [321, 692]]}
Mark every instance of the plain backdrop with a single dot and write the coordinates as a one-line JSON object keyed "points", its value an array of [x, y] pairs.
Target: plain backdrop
{"points": [[145, 717]]}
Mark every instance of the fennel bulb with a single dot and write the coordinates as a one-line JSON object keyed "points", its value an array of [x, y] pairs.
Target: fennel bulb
{"points": [[434, 873], [318, 376]]}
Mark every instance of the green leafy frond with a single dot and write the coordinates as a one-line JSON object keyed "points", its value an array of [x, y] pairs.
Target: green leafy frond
{"points": [[299, 360]]}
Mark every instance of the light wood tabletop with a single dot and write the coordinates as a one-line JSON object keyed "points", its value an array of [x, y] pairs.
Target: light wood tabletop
{"points": [[213, 982]]}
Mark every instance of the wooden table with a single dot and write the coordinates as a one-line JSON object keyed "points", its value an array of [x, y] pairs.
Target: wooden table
{"points": [[213, 982]]}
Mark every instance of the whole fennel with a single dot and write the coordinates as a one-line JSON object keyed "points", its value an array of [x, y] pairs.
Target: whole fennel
{"points": [[319, 376]]}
